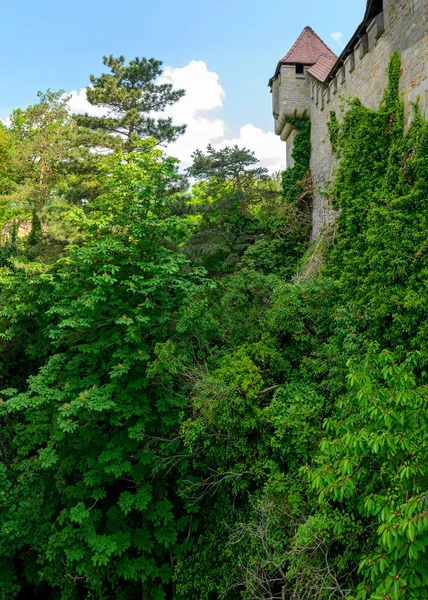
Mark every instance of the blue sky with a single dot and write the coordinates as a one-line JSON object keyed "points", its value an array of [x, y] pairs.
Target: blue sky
{"points": [[57, 45]]}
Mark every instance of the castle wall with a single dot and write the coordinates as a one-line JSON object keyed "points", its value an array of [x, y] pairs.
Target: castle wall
{"points": [[365, 74]]}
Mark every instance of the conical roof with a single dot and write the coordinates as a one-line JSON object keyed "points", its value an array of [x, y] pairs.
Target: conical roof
{"points": [[307, 49]]}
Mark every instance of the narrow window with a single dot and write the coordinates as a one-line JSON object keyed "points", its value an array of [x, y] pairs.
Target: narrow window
{"points": [[299, 69]]}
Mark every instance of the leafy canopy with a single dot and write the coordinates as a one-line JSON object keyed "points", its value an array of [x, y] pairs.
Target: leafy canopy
{"points": [[92, 417]]}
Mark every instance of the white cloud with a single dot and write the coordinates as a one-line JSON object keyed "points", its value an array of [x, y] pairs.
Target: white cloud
{"points": [[337, 37], [267, 147], [78, 103], [204, 94], [203, 90]]}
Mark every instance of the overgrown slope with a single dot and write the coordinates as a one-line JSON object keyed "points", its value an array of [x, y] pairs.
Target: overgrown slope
{"points": [[196, 426]]}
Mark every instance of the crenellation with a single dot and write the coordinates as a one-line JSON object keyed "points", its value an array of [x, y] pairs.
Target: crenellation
{"points": [[327, 95], [349, 63], [323, 98], [375, 29], [362, 46]]}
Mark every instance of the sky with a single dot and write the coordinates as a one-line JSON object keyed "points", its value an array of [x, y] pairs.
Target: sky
{"points": [[221, 52]]}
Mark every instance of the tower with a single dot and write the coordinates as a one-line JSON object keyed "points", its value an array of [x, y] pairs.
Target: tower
{"points": [[290, 84]]}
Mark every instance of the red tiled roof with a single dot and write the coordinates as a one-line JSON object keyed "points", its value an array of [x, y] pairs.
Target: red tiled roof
{"points": [[321, 69], [307, 49]]}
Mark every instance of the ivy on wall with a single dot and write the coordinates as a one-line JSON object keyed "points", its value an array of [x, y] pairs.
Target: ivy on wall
{"points": [[333, 130], [372, 463], [379, 259], [296, 181]]}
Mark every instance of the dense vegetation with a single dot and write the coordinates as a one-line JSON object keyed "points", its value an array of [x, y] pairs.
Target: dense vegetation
{"points": [[197, 402]]}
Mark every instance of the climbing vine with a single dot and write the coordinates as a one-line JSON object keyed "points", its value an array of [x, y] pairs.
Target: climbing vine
{"points": [[372, 462], [296, 181], [379, 258]]}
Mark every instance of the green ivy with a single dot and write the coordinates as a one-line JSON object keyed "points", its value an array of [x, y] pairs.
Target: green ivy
{"points": [[296, 182], [379, 259], [372, 463]]}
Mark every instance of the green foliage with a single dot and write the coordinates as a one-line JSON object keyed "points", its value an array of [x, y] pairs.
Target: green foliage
{"points": [[374, 462], [253, 419], [243, 221], [371, 464], [251, 434], [379, 259], [129, 94], [275, 384], [233, 185], [93, 420], [40, 139], [5, 160]]}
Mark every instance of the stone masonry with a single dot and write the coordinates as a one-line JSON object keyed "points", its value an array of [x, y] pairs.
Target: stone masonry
{"points": [[311, 79]]}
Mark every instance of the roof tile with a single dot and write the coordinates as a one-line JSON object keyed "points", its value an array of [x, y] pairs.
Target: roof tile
{"points": [[321, 69], [307, 49]]}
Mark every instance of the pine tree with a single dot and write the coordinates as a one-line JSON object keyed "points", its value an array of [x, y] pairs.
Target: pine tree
{"points": [[236, 200], [130, 95]]}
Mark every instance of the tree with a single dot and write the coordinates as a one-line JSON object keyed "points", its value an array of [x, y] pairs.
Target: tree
{"points": [[34, 151], [130, 95], [93, 418], [373, 464], [6, 173], [243, 218], [231, 170], [43, 137], [229, 177]]}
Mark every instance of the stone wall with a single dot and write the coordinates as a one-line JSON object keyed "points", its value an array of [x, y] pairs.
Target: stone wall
{"points": [[290, 95], [403, 26]]}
